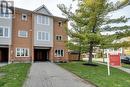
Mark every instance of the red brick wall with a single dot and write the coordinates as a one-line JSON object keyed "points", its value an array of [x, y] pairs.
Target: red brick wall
{"points": [[60, 44], [20, 42]]}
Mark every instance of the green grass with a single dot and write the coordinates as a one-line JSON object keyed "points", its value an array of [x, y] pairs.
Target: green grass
{"points": [[126, 65], [15, 75], [98, 75]]}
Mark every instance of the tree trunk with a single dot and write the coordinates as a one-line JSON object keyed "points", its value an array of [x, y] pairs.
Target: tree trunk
{"points": [[79, 52], [103, 57], [90, 53], [79, 56]]}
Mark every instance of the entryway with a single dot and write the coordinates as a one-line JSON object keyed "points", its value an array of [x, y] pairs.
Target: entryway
{"points": [[41, 55], [4, 53]]}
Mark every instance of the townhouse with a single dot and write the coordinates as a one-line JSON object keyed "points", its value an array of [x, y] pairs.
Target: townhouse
{"points": [[29, 36], [5, 36]]}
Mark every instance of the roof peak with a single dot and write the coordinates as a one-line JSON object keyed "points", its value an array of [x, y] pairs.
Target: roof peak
{"points": [[43, 6]]}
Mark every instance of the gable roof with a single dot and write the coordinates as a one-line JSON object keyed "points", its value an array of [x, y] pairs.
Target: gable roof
{"points": [[23, 10], [60, 18], [41, 7]]}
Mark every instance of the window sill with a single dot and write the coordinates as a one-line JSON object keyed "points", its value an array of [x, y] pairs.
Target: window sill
{"points": [[6, 17], [44, 24], [22, 56], [22, 37], [44, 40], [4, 37]]}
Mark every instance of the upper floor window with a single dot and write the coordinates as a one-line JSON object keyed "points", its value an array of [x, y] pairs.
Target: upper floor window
{"points": [[24, 17], [4, 32], [23, 34], [58, 37], [43, 20], [60, 23], [4, 14], [59, 53], [22, 52], [43, 36]]}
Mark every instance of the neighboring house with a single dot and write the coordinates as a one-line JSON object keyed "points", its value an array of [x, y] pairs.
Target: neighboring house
{"points": [[112, 50], [127, 51], [124, 51], [5, 36], [31, 36], [22, 36]]}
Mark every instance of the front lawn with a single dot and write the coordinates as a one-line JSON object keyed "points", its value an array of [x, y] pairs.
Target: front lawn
{"points": [[15, 75], [98, 75]]}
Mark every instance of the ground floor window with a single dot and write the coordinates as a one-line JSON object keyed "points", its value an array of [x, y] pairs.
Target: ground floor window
{"points": [[59, 53], [22, 52]]}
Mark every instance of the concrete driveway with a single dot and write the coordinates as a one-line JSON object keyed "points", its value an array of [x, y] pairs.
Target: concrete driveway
{"points": [[3, 64], [51, 75]]}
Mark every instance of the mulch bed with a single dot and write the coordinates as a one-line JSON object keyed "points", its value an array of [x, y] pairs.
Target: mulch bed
{"points": [[87, 64]]}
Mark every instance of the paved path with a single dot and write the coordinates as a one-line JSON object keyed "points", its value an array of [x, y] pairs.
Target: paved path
{"points": [[124, 69], [50, 75], [121, 68], [3, 64]]}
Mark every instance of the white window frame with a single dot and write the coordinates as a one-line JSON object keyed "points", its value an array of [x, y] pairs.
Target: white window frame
{"points": [[44, 36], [24, 18], [4, 16], [60, 53], [21, 52], [3, 27], [19, 33], [38, 21], [46, 20], [59, 36], [48, 36], [61, 23]]}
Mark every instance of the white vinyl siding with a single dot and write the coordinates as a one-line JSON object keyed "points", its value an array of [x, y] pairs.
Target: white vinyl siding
{"points": [[59, 53], [43, 20], [4, 32], [22, 52], [43, 36]]}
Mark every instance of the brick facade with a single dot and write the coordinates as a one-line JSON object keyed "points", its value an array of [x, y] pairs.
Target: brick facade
{"points": [[28, 42], [22, 42], [60, 25]]}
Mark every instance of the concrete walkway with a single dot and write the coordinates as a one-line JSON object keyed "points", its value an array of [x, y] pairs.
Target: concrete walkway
{"points": [[121, 68], [3, 64], [124, 69], [50, 75]]}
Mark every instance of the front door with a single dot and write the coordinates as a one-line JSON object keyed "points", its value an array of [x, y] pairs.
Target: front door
{"points": [[41, 55], [0, 56], [3, 54]]}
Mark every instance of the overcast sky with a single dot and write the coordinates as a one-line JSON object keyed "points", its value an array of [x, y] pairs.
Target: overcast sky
{"points": [[52, 6]]}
